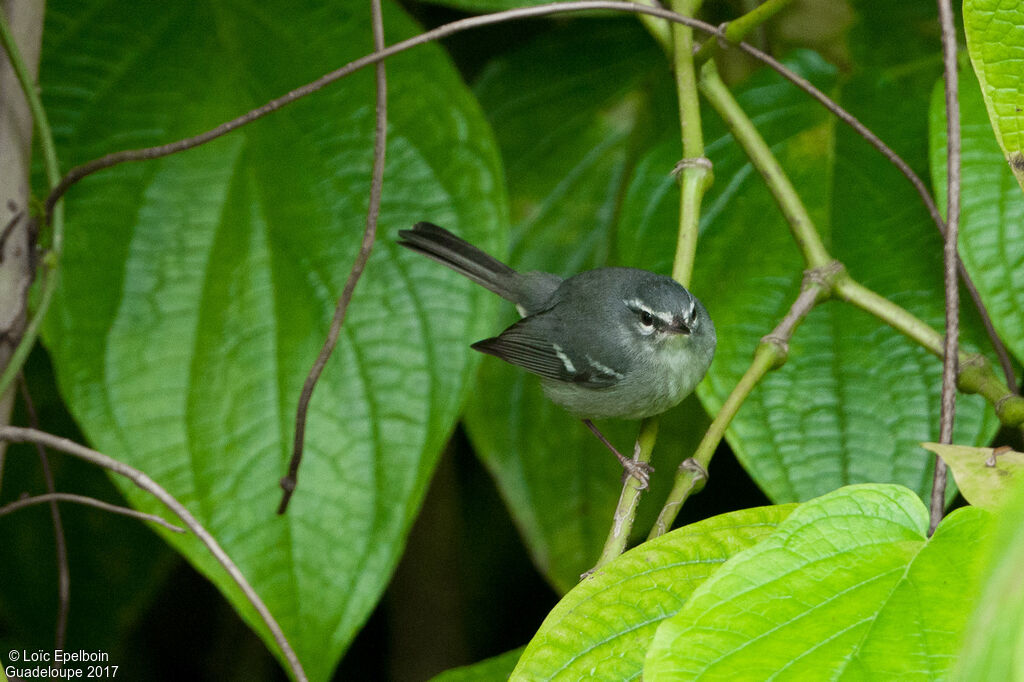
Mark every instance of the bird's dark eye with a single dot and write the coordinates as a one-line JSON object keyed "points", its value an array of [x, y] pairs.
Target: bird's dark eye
{"points": [[646, 319]]}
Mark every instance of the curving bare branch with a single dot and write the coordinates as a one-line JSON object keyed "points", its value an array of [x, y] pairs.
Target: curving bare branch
{"points": [[446, 30], [88, 502], [59, 538], [290, 480], [950, 258], [18, 434]]}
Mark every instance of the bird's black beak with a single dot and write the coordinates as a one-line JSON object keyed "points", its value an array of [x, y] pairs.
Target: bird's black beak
{"points": [[679, 326]]}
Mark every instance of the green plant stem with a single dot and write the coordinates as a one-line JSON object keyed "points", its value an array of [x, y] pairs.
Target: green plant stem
{"points": [[49, 149], [629, 498], [757, 150], [977, 375], [694, 179], [694, 170], [833, 280], [52, 168], [771, 354], [740, 27], [810, 243], [686, 80]]}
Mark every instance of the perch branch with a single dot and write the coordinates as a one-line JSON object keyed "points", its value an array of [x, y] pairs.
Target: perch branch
{"points": [[695, 177], [629, 498]]}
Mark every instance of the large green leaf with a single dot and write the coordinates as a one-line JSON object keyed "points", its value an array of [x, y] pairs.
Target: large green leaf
{"points": [[994, 641], [197, 289], [855, 397], [995, 41], [568, 111], [602, 628], [848, 584], [992, 209]]}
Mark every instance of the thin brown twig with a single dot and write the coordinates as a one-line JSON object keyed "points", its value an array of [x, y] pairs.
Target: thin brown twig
{"points": [[59, 538], [446, 30], [88, 502], [949, 361], [17, 434], [290, 480], [379, 55]]}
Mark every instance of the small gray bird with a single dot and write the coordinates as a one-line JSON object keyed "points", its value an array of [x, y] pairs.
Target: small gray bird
{"points": [[607, 343]]}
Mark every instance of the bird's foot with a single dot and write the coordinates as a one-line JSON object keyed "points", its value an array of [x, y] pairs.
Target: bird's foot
{"points": [[641, 471]]}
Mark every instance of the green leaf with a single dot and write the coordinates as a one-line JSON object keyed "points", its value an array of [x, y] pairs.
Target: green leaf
{"points": [[995, 42], [494, 669], [602, 628], [855, 397], [992, 209], [993, 648], [568, 110], [986, 479], [849, 583], [197, 289], [564, 108]]}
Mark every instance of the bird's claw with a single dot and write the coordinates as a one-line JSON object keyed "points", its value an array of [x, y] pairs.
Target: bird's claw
{"points": [[641, 471]]}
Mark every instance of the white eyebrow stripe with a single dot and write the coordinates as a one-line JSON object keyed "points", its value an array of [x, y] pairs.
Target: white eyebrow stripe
{"points": [[637, 304], [566, 362]]}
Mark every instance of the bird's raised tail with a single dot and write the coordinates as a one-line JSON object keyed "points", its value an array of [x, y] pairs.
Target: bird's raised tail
{"points": [[462, 257]]}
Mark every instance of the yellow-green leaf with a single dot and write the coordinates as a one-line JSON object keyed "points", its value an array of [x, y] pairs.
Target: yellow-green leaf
{"points": [[985, 476], [848, 587]]}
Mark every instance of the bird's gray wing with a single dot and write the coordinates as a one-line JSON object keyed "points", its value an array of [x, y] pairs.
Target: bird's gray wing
{"points": [[532, 343]]}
